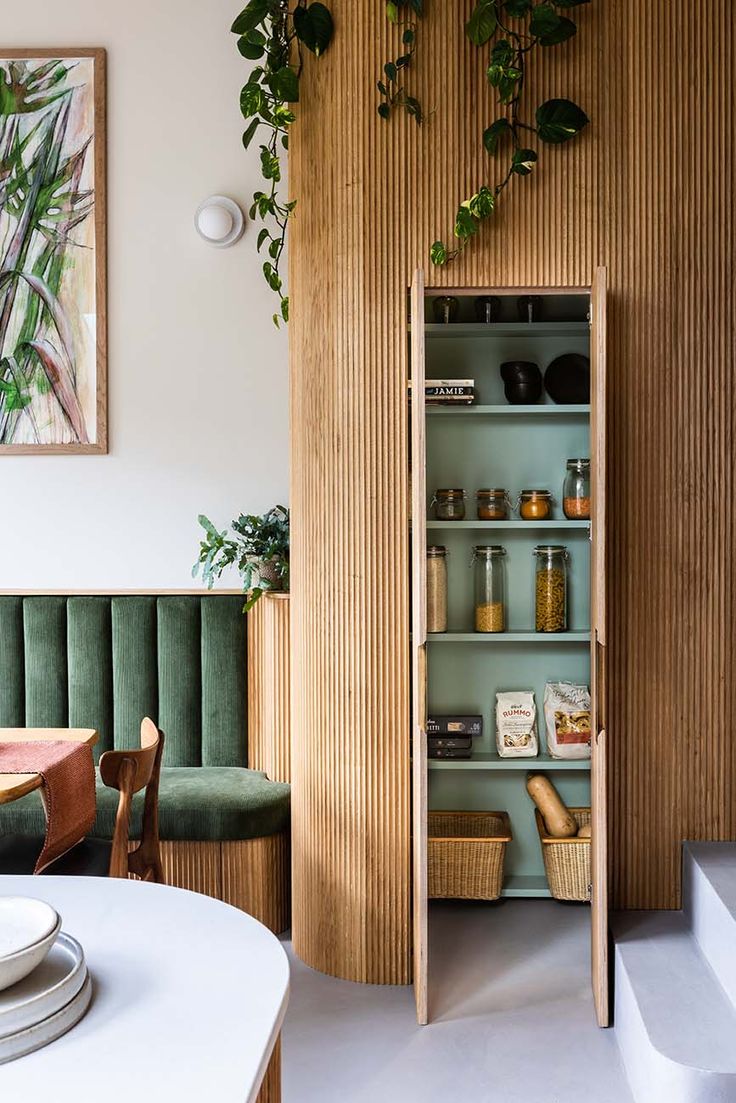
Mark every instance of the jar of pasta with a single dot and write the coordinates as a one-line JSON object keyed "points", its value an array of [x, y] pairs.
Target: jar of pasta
{"points": [[490, 588], [576, 491], [493, 504], [535, 505], [449, 505], [436, 588], [550, 588]]}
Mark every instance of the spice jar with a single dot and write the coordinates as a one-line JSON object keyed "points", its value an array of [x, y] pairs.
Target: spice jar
{"points": [[490, 588], [534, 505], [449, 505], [493, 504], [550, 588], [436, 588], [576, 490]]}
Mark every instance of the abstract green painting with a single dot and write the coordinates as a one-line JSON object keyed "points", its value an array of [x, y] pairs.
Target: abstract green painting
{"points": [[53, 367]]}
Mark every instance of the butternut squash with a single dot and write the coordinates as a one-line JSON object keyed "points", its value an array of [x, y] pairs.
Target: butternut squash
{"points": [[558, 819]]}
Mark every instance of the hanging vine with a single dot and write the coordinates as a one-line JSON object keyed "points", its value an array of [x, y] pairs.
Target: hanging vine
{"points": [[556, 120], [272, 33], [391, 86]]}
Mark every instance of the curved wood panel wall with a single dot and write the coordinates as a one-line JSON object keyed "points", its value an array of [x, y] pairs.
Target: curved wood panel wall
{"points": [[640, 192], [269, 681]]}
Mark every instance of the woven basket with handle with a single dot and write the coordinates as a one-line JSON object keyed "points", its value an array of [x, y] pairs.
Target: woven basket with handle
{"points": [[566, 861], [465, 852]]}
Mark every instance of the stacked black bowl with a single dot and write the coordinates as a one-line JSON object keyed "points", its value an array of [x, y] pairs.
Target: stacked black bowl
{"points": [[522, 382]]}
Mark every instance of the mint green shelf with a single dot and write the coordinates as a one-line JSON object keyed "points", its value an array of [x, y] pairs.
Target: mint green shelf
{"points": [[506, 329], [492, 761], [530, 885], [508, 637], [502, 526], [498, 410]]}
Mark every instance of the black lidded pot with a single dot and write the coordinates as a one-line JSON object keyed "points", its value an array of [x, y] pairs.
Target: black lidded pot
{"points": [[522, 382]]}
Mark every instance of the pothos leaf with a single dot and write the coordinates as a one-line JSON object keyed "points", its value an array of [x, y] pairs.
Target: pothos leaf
{"points": [[482, 22], [522, 161], [284, 84], [493, 134], [438, 253], [559, 120], [565, 29], [251, 15], [314, 27], [517, 9]]}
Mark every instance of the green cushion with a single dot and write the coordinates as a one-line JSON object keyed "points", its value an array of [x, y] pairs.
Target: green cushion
{"points": [[201, 803]]}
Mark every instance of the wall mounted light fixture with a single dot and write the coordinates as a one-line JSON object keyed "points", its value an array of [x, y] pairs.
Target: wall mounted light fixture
{"points": [[219, 221]]}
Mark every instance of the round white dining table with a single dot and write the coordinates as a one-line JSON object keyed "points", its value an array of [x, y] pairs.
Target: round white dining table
{"points": [[189, 995]]}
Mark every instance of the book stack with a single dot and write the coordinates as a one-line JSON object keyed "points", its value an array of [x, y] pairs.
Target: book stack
{"points": [[452, 736], [448, 392]]}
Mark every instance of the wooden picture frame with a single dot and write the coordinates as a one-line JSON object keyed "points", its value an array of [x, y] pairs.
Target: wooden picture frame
{"points": [[53, 304]]}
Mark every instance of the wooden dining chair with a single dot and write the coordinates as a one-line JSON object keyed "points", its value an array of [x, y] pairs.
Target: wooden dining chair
{"points": [[127, 771]]}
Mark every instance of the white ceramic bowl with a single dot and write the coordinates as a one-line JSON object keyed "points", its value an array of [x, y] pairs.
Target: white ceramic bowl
{"points": [[28, 930]]}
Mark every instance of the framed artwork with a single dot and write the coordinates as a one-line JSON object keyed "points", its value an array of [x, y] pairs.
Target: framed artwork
{"points": [[53, 335]]}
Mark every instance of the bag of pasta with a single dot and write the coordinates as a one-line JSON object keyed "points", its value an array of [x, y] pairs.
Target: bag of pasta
{"points": [[567, 719]]}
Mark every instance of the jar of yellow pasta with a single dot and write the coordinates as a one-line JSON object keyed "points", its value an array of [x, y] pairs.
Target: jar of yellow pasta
{"points": [[550, 588]]}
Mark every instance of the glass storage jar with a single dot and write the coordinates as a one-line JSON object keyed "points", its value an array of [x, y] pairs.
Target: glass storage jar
{"points": [[535, 505], [436, 588], [576, 490], [550, 588], [493, 504], [490, 588], [449, 505]]}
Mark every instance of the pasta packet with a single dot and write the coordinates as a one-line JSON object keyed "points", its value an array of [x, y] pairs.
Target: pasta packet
{"points": [[516, 725], [567, 720]]}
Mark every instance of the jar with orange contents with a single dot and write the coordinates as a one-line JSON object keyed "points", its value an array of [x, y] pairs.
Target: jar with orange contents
{"points": [[535, 505]]}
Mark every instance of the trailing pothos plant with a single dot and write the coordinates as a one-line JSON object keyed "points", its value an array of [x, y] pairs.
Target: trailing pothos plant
{"points": [[273, 32], [391, 85], [515, 28]]}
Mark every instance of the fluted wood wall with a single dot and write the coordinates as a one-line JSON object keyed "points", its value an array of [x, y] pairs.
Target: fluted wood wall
{"points": [[647, 191], [269, 687]]}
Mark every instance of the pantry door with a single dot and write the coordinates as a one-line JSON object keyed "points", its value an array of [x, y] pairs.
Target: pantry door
{"points": [[419, 645], [599, 818]]}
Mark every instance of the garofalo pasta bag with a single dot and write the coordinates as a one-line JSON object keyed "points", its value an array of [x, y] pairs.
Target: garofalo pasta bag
{"points": [[567, 719], [516, 725]]}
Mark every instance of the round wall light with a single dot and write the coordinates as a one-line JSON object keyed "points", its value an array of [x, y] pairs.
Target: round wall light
{"points": [[219, 221]]}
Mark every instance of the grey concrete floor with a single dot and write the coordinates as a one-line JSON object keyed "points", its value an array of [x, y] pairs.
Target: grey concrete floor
{"points": [[512, 1019]]}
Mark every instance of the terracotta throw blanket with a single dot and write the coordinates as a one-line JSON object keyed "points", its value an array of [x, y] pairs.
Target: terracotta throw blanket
{"points": [[68, 774]]}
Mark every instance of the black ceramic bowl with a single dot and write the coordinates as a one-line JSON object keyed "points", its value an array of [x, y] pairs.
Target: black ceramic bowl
{"points": [[523, 393], [520, 371], [567, 379]]}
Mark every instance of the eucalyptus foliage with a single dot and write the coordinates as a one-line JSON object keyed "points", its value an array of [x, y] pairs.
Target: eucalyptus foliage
{"points": [[391, 85], [514, 28], [272, 33], [258, 543]]}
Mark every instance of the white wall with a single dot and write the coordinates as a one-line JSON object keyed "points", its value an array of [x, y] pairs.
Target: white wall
{"points": [[198, 415]]}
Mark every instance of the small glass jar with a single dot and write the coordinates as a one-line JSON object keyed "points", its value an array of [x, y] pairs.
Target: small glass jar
{"points": [[436, 588], [449, 505], [550, 588], [445, 308], [535, 505], [487, 308], [493, 504], [490, 588], [576, 490]]}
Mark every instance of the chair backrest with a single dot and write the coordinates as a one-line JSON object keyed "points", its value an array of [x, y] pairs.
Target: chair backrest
{"points": [[104, 662], [129, 771]]}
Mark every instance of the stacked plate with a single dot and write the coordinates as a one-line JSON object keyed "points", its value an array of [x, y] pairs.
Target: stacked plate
{"points": [[44, 984]]}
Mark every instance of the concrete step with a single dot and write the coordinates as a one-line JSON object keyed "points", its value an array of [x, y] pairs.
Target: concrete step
{"points": [[675, 1025], [709, 899]]}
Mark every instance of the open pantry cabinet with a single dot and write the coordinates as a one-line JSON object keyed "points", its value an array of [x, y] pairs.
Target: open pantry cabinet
{"points": [[492, 443]]}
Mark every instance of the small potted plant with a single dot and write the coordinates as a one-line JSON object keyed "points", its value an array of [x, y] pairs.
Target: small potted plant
{"points": [[259, 548]]}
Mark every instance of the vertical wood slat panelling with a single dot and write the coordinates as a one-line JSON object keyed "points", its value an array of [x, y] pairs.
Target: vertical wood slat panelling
{"points": [[647, 192], [269, 681]]}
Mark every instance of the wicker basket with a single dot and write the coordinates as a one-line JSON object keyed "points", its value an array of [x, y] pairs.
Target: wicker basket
{"points": [[566, 861], [465, 852]]}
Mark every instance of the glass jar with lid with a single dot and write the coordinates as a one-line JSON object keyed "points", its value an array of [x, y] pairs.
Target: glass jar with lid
{"points": [[490, 588], [493, 504], [436, 588], [576, 490], [535, 505], [449, 504], [550, 588]]}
